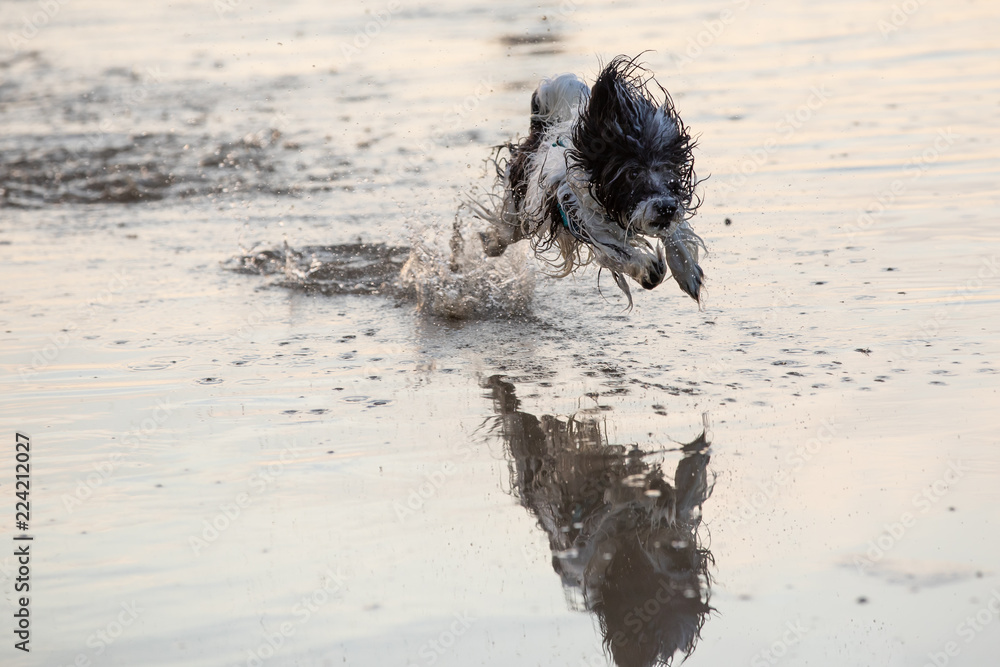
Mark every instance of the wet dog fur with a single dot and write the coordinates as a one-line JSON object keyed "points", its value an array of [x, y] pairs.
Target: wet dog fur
{"points": [[606, 174]]}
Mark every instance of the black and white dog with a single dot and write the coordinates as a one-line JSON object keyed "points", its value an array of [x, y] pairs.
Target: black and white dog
{"points": [[606, 175]]}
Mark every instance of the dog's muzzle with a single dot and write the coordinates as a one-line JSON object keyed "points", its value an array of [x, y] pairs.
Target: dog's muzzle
{"points": [[665, 212], [654, 217], [677, 251]]}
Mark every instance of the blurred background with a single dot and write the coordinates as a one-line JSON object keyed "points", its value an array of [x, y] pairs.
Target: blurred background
{"points": [[228, 470]]}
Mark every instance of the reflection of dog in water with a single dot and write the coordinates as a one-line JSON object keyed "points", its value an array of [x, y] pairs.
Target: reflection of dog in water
{"points": [[620, 534], [605, 174]]}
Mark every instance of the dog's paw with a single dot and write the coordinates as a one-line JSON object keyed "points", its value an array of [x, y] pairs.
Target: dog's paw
{"points": [[655, 274], [492, 245], [691, 282]]}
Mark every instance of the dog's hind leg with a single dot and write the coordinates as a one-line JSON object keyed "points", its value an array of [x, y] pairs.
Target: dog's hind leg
{"points": [[554, 101], [504, 230], [557, 100]]}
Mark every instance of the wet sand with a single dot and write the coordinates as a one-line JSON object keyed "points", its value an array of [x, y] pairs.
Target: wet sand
{"points": [[287, 462]]}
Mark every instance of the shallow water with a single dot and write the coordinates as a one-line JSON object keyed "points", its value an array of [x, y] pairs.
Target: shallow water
{"points": [[289, 463]]}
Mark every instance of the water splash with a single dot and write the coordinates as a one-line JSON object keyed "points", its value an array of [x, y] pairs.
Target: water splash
{"points": [[459, 281], [447, 279], [349, 268], [119, 168]]}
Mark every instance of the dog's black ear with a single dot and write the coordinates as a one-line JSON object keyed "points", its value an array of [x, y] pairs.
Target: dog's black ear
{"points": [[608, 137], [629, 121], [613, 116]]}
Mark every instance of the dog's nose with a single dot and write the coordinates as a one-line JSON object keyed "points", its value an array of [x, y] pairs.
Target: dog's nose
{"points": [[665, 209], [664, 214]]}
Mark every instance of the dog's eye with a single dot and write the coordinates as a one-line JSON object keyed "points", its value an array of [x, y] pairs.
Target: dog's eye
{"points": [[633, 174]]}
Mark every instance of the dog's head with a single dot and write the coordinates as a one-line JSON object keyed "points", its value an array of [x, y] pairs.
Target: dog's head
{"points": [[637, 154]]}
